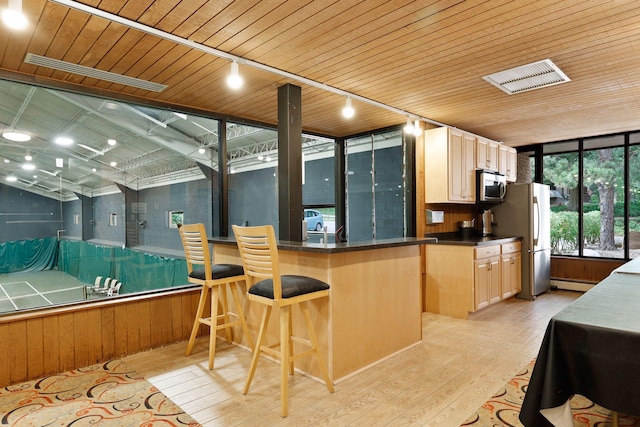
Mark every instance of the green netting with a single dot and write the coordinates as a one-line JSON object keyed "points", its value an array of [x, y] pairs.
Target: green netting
{"points": [[28, 255], [137, 271]]}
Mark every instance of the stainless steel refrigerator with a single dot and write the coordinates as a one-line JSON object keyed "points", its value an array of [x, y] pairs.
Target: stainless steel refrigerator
{"points": [[525, 212]]}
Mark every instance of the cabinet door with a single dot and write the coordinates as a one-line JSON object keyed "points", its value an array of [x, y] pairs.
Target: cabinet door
{"points": [[469, 169], [462, 171], [457, 165], [482, 283], [492, 156], [511, 274], [503, 159], [495, 292], [482, 150], [512, 165]]}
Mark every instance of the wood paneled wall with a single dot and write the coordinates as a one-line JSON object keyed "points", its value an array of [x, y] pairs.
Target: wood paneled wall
{"points": [[582, 269], [55, 340]]}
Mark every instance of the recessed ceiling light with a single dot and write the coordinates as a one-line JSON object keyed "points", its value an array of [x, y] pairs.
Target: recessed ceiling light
{"points": [[12, 178], [7, 161], [64, 141], [28, 166], [93, 169], [114, 164], [201, 150], [15, 136], [111, 141]]}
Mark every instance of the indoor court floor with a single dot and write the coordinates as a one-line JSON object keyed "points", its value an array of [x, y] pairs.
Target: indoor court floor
{"points": [[25, 290]]}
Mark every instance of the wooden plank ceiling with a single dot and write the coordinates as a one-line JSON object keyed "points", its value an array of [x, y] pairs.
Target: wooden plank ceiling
{"points": [[423, 57]]}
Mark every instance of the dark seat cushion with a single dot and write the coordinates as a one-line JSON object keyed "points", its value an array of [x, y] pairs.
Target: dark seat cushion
{"points": [[218, 271], [292, 286]]}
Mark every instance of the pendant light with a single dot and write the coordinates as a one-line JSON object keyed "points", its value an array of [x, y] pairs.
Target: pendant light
{"points": [[417, 130], [408, 128], [234, 80], [13, 17], [348, 111]]}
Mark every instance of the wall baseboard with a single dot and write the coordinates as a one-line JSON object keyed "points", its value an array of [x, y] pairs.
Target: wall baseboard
{"points": [[571, 286]]}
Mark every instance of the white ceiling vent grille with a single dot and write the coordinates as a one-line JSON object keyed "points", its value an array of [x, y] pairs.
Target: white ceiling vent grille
{"points": [[528, 77], [56, 64]]}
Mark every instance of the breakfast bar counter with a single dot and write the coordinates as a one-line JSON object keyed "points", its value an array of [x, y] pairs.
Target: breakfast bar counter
{"points": [[374, 307]]}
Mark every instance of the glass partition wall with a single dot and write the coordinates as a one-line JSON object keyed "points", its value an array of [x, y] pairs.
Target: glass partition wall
{"points": [[106, 199], [375, 186]]}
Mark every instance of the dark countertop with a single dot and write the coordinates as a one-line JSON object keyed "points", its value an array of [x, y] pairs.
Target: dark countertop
{"points": [[454, 238], [331, 248]]}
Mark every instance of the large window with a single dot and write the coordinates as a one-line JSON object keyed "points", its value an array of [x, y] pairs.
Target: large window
{"points": [[593, 201]]}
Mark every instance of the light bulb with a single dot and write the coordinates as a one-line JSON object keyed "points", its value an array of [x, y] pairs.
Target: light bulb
{"points": [[348, 111], [416, 128], [28, 158], [13, 16], [408, 128], [111, 142], [201, 150], [234, 80]]}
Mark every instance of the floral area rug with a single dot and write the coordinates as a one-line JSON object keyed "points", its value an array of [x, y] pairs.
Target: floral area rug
{"points": [[504, 407], [108, 394]]}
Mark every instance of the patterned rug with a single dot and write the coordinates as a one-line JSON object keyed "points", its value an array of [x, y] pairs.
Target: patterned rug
{"points": [[108, 394], [504, 407]]}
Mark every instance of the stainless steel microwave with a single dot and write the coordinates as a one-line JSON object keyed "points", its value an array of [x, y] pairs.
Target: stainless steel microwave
{"points": [[492, 186]]}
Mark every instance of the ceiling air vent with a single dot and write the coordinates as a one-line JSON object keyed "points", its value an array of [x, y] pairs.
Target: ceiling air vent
{"points": [[528, 77], [56, 64]]}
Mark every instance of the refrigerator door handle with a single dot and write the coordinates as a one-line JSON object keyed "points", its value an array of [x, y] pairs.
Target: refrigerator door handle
{"points": [[536, 221]]}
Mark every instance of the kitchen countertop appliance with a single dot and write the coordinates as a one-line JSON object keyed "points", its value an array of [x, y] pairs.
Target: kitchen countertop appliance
{"points": [[526, 212], [485, 222]]}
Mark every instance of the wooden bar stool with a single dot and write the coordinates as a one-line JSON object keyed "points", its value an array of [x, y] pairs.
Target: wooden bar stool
{"points": [[214, 278], [259, 254]]}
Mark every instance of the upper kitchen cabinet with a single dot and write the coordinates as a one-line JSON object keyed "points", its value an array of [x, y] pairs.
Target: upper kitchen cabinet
{"points": [[487, 154], [449, 166], [508, 162]]}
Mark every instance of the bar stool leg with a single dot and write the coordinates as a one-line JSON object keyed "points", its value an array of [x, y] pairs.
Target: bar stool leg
{"points": [[314, 342], [616, 419], [225, 310], [213, 328], [285, 355], [196, 322], [236, 300], [266, 314]]}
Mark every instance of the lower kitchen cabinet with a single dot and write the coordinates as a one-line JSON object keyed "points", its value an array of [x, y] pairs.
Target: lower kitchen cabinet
{"points": [[461, 279], [486, 275], [511, 261]]}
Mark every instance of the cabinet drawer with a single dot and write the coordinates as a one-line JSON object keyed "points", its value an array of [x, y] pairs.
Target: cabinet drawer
{"points": [[486, 251], [508, 248]]}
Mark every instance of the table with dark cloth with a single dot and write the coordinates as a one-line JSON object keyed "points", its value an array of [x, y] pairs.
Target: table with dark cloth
{"points": [[592, 348]]}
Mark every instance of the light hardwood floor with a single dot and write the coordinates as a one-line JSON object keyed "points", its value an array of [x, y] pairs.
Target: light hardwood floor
{"points": [[440, 382]]}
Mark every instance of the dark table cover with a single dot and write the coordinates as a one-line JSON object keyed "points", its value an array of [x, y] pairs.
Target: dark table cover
{"points": [[592, 348]]}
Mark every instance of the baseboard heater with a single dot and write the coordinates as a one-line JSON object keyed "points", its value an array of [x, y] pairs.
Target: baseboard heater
{"points": [[570, 285]]}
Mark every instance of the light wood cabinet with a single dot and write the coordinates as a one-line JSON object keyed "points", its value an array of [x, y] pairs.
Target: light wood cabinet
{"points": [[462, 279], [449, 166], [487, 154], [508, 162], [486, 268], [511, 262]]}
